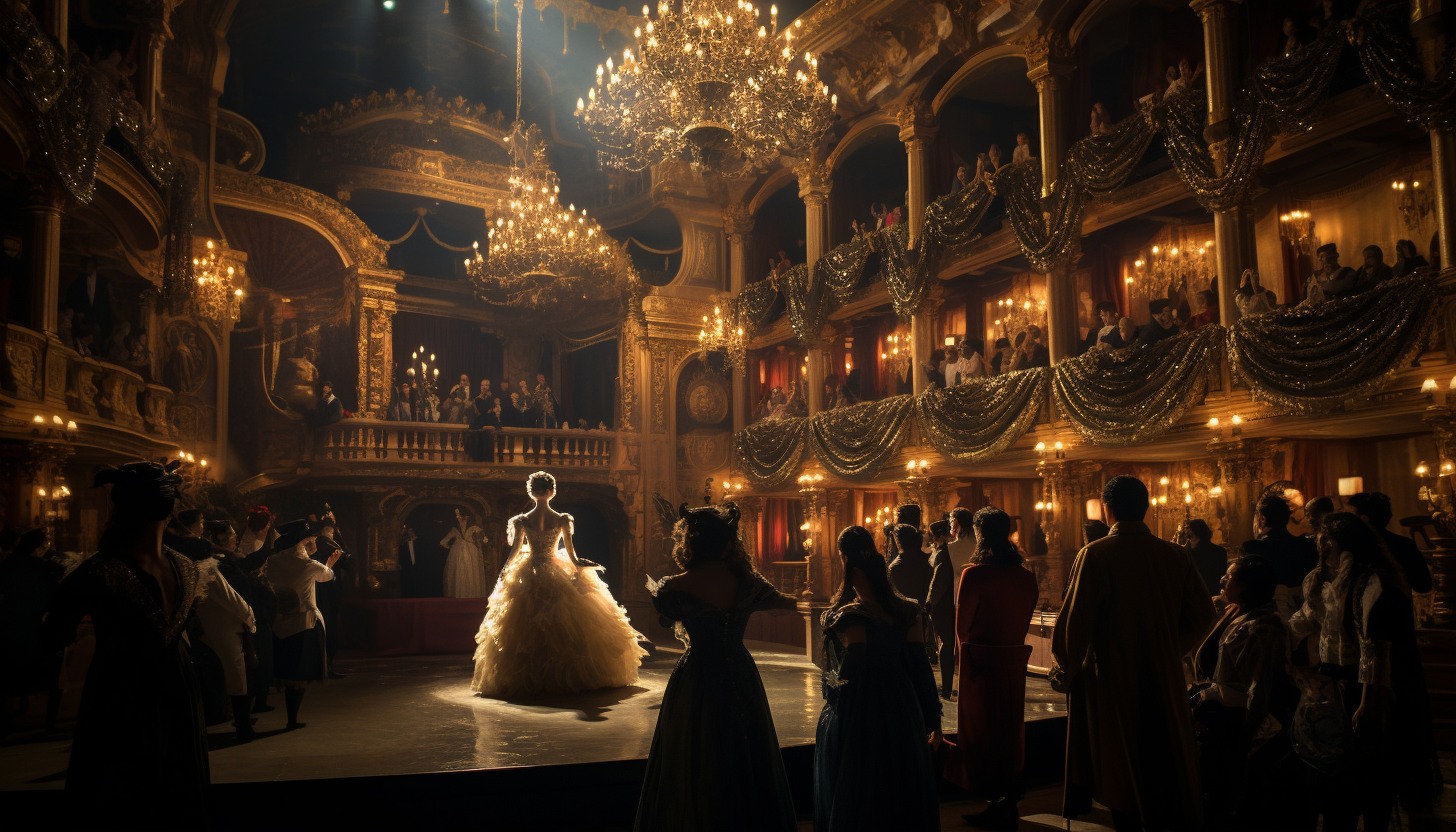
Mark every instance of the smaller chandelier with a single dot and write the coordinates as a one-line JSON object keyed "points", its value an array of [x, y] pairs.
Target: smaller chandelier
{"points": [[897, 353], [539, 254], [720, 336], [709, 83], [1297, 229], [217, 293]]}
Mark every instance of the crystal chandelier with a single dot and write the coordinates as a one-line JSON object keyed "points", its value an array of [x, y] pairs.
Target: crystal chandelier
{"points": [[539, 255], [217, 293], [712, 85], [718, 335], [897, 353]]}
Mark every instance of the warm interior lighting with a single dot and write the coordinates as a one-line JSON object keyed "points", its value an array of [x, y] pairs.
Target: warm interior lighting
{"points": [[1422, 470], [1350, 486], [1093, 509]]}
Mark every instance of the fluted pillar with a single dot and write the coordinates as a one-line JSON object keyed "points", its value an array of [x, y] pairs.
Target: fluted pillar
{"points": [[1240, 464], [1066, 485], [738, 225], [917, 129], [818, 370], [1233, 230], [47, 209], [1049, 66], [922, 337]]}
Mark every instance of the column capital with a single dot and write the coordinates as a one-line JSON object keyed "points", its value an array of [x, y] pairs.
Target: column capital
{"points": [[1047, 53], [44, 193], [1213, 9], [916, 121], [815, 180], [737, 222]]}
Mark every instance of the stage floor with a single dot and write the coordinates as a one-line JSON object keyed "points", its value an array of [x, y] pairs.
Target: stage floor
{"points": [[416, 714]]}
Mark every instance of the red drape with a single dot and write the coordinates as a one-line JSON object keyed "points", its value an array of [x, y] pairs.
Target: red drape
{"points": [[776, 369], [779, 536], [1308, 470], [459, 347]]}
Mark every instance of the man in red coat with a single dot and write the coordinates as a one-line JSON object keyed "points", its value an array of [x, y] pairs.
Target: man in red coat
{"points": [[994, 603]]}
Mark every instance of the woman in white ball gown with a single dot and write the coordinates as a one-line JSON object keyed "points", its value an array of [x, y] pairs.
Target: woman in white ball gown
{"points": [[465, 565], [552, 627]]}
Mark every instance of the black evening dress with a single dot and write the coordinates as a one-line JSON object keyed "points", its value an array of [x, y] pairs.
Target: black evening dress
{"points": [[139, 756], [715, 762], [873, 768]]}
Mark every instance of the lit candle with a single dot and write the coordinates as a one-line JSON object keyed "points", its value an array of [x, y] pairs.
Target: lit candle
{"points": [[1238, 424], [70, 426]]}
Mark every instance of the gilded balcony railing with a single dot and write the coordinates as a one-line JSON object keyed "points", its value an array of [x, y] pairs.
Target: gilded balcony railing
{"points": [[373, 440]]}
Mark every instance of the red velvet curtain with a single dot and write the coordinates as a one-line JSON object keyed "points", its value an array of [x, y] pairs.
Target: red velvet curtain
{"points": [[1308, 469], [779, 536], [777, 369]]}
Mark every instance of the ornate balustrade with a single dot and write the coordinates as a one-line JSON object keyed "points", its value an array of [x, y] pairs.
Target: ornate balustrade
{"points": [[55, 379], [374, 441], [790, 577]]}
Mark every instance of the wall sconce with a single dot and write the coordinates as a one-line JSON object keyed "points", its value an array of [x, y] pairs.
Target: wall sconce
{"points": [[1297, 229], [809, 480], [1093, 509], [1433, 392], [1350, 486], [1413, 200], [1237, 422], [917, 467]]}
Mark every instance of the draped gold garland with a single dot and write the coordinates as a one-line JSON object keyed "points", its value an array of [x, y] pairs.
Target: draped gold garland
{"points": [[842, 269], [755, 306], [806, 302], [1132, 395], [980, 419], [1311, 359], [769, 452], [1388, 54], [854, 442]]}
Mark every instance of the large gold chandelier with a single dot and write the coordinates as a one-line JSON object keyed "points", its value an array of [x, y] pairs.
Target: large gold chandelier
{"points": [[713, 84], [217, 292], [539, 255]]}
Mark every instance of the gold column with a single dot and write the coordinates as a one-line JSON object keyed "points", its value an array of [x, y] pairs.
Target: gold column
{"points": [[1065, 487], [1233, 230], [376, 341], [818, 370], [1049, 65], [917, 129], [1240, 466], [922, 342], [738, 226], [47, 207], [814, 186], [749, 510], [1062, 340]]}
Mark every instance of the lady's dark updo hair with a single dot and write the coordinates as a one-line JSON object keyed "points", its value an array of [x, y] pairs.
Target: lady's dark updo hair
{"points": [[141, 491], [857, 549], [259, 518], [993, 538], [709, 533], [540, 483]]}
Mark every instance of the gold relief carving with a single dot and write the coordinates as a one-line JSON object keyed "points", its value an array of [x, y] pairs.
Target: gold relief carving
{"points": [[628, 365], [189, 417], [156, 417], [1045, 45], [246, 191], [426, 107], [707, 398], [815, 180], [706, 450], [659, 351], [25, 367], [376, 337], [916, 121], [737, 222], [88, 378]]}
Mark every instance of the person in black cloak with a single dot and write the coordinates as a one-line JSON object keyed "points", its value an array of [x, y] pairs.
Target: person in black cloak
{"points": [[139, 757]]}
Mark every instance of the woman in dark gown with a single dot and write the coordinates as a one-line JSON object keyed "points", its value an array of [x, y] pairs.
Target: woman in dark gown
{"points": [[873, 765], [139, 757], [479, 443], [715, 762]]}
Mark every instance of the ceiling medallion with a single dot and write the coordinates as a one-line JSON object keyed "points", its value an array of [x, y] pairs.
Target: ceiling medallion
{"points": [[712, 85]]}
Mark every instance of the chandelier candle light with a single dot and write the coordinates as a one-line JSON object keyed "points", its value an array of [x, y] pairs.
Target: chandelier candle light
{"points": [[718, 335], [537, 253], [711, 83], [217, 294]]}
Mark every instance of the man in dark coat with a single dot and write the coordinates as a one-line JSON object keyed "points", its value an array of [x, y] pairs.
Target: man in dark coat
{"points": [[1374, 508], [1210, 558], [1134, 608], [89, 298], [940, 603], [1293, 557], [329, 409]]}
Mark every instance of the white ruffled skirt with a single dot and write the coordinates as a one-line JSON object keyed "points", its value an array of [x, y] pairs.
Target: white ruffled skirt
{"points": [[552, 629]]}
